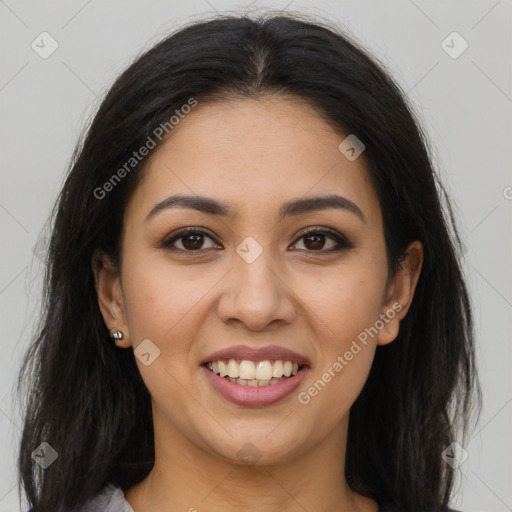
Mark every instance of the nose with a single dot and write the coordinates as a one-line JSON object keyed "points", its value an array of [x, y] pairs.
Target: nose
{"points": [[256, 294]]}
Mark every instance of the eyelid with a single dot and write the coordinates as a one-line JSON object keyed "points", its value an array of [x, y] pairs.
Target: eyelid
{"points": [[340, 239], [319, 229], [181, 232]]}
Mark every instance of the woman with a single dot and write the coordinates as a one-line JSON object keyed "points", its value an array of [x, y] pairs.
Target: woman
{"points": [[253, 297]]}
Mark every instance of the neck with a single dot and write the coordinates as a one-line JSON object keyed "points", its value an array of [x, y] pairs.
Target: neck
{"points": [[186, 477]]}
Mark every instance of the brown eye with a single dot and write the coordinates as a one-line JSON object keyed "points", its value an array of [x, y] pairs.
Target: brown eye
{"points": [[316, 240], [189, 240], [193, 241]]}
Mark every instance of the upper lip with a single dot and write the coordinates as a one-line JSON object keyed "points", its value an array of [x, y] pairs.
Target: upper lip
{"points": [[273, 352]]}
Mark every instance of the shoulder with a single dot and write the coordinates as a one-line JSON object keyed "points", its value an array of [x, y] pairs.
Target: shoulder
{"points": [[109, 499], [391, 508]]}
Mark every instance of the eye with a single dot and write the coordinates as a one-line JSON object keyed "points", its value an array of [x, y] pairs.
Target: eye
{"points": [[314, 240], [193, 239], [189, 240]]}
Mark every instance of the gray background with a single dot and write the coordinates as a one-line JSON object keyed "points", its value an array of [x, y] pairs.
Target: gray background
{"points": [[465, 104]]}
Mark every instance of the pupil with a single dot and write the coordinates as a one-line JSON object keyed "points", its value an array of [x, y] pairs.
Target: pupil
{"points": [[196, 241], [318, 240]]}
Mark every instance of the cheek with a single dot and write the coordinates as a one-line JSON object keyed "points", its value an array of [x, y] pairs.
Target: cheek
{"points": [[359, 301], [165, 304], [346, 300], [149, 293], [347, 307], [160, 308]]}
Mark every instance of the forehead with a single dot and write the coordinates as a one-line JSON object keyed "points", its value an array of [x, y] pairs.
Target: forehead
{"points": [[255, 153]]}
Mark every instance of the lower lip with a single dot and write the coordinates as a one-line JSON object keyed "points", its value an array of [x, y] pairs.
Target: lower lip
{"points": [[254, 396]]}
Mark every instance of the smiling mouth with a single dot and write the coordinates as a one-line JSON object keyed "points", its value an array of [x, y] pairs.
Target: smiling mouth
{"points": [[254, 373]]}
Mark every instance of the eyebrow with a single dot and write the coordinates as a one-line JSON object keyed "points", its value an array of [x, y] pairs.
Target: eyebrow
{"points": [[289, 208]]}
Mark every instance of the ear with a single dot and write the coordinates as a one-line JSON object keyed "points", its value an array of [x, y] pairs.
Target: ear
{"points": [[110, 297], [400, 292]]}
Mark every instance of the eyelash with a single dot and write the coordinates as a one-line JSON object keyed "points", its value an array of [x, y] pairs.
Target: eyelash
{"points": [[342, 242]]}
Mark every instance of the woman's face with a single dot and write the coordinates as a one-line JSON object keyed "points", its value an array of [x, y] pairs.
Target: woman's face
{"points": [[250, 275]]}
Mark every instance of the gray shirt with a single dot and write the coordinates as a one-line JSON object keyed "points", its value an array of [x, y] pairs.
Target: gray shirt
{"points": [[109, 499]]}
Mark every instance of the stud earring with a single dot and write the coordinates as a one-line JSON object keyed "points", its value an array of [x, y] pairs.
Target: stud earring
{"points": [[116, 336]]}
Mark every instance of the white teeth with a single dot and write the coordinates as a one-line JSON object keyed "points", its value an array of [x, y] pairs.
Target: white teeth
{"points": [[247, 370], [263, 370], [249, 373], [254, 382], [277, 369], [223, 371], [233, 369]]}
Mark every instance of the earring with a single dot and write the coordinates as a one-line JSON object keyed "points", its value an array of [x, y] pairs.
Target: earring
{"points": [[116, 336]]}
